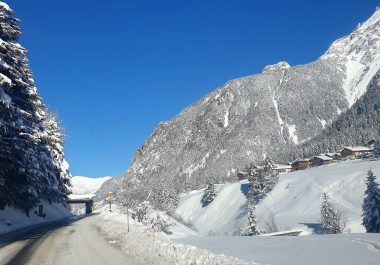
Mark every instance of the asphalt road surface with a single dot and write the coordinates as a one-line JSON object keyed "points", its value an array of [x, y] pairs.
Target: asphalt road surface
{"points": [[75, 241]]}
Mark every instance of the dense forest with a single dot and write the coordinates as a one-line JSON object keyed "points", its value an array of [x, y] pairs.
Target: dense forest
{"points": [[357, 126], [32, 163]]}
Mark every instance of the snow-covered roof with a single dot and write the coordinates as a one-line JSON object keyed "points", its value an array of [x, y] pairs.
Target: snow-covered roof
{"points": [[283, 167], [301, 160], [358, 148], [332, 154], [323, 157]]}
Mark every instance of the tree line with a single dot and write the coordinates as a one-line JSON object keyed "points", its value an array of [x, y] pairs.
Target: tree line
{"points": [[32, 162]]}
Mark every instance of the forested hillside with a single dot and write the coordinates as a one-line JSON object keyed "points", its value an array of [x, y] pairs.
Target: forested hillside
{"points": [[359, 125], [32, 163]]}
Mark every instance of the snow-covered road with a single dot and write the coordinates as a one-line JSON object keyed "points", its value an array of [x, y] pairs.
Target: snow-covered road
{"points": [[72, 241]]}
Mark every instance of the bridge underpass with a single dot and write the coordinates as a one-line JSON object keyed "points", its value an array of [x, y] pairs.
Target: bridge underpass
{"points": [[86, 199]]}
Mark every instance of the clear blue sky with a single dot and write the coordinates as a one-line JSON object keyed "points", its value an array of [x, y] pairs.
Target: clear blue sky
{"points": [[114, 69]]}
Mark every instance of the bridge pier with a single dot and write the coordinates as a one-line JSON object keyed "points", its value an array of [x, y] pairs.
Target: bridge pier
{"points": [[89, 207]]}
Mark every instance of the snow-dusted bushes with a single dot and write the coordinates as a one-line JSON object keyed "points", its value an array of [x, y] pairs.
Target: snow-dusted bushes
{"points": [[238, 229], [270, 224], [148, 247], [187, 222], [160, 223]]}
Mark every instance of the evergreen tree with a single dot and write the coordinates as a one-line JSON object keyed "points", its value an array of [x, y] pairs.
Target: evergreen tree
{"points": [[254, 180], [32, 166], [209, 194], [270, 176], [371, 205], [252, 225], [330, 217], [261, 179]]}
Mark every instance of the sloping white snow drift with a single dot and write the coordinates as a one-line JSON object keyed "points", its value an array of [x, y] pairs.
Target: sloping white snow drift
{"points": [[85, 185], [295, 201], [12, 219]]}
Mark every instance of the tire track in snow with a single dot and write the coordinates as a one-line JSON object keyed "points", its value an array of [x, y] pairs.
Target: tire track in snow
{"points": [[373, 246]]}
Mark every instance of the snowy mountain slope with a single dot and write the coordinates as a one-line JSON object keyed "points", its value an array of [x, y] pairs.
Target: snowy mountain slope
{"points": [[258, 115], [359, 57], [111, 185], [295, 201], [356, 126], [85, 185]]}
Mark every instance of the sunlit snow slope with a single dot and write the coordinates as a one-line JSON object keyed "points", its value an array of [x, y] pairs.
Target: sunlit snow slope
{"points": [[295, 201], [85, 185]]}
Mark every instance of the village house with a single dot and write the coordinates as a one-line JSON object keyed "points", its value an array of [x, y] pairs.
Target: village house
{"points": [[335, 156], [300, 164], [350, 152], [282, 168], [321, 160]]}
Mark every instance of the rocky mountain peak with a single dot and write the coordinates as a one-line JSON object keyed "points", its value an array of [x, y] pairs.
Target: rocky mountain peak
{"points": [[364, 40], [358, 55], [280, 66]]}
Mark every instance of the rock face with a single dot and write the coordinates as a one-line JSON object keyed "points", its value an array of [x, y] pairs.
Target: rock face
{"points": [[264, 114]]}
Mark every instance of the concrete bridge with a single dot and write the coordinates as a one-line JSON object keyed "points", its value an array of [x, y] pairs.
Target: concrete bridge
{"points": [[87, 199]]}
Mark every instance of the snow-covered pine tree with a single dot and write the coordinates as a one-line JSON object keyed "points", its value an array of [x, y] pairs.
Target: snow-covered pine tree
{"points": [[371, 205], [52, 155], [252, 224], [270, 176], [261, 179], [254, 180], [209, 194], [330, 217], [29, 169]]}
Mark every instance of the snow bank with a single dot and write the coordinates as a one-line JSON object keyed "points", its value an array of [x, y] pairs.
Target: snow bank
{"points": [[149, 247], [85, 185], [295, 201], [12, 219]]}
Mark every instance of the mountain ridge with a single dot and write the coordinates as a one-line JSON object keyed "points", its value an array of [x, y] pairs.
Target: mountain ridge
{"points": [[249, 118]]}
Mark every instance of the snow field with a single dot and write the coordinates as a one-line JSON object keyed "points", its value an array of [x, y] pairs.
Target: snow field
{"points": [[295, 201], [148, 247], [340, 249]]}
